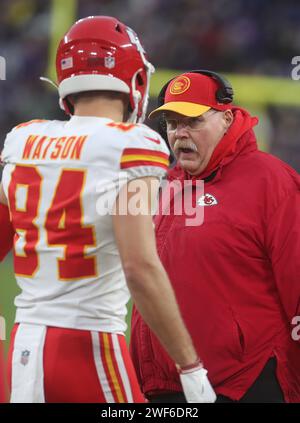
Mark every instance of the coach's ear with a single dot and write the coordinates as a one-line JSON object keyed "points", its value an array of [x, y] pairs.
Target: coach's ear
{"points": [[228, 119]]}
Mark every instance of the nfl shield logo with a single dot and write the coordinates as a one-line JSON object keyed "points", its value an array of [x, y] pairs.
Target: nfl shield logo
{"points": [[25, 357], [109, 62]]}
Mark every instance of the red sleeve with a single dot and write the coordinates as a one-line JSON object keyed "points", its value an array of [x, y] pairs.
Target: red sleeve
{"points": [[283, 240], [6, 232]]}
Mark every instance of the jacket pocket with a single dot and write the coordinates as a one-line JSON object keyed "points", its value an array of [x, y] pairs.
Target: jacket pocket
{"points": [[240, 336], [227, 341]]}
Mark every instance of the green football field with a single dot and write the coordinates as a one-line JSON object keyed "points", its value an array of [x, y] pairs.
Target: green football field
{"points": [[8, 291]]}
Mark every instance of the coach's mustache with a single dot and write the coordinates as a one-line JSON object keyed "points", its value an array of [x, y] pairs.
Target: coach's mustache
{"points": [[181, 145]]}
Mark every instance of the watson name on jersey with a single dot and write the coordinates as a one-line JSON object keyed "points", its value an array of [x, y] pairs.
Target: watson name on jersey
{"points": [[65, 256]]}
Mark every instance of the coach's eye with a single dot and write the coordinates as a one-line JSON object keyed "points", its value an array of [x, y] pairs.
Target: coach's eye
{"points": [[171, 124], [194, 122]]}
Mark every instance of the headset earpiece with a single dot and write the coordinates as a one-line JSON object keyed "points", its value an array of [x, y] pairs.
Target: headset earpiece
{"points": [[161, 95]]}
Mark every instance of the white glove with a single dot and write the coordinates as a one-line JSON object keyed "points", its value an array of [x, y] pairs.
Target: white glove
{"points": [[196, 386]]}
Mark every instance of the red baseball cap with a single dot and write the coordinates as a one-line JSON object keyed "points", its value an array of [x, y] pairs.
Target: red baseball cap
{"points": [[191, 94]]}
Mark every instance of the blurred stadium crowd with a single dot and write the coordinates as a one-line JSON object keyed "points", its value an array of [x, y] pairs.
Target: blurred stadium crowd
{"points": [[239, 36]]}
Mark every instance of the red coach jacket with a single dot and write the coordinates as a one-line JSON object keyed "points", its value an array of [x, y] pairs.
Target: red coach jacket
{"points": [[236, 276]]}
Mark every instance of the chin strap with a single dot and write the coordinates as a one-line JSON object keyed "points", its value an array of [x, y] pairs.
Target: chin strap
{"points": [[44, 79], [136, 98], [150, 71], [49, 81]]}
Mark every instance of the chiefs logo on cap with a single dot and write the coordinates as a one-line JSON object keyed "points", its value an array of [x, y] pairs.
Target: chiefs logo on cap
{"points": [[180, 85]]}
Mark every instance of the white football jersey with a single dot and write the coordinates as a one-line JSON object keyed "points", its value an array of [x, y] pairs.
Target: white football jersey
{"points": [[61, 179]]}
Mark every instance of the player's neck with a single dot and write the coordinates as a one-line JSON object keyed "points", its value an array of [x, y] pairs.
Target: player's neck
{"points": [[112, 109]]}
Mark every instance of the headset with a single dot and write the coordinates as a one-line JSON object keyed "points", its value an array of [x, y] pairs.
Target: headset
{"points": [[224, 94]]}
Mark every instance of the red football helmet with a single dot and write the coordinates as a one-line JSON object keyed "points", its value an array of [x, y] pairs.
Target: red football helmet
{"points": [[101, 53]]}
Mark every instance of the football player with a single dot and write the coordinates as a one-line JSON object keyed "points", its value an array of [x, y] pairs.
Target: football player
{"points": [[73, 189]]}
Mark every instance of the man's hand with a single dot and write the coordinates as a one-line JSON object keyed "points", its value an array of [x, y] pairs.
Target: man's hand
{"points": [[195, 384]]}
